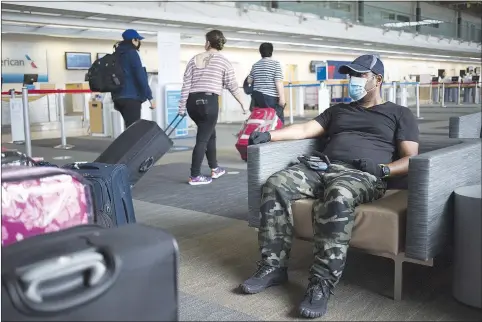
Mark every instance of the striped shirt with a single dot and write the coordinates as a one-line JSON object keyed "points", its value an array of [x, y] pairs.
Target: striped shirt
{"points": [[265, 73], [210, 73]]}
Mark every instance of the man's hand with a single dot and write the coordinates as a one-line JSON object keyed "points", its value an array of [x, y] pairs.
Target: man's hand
{"points": [[368, 165], [259, 137], [152, 105], [181, 111]]}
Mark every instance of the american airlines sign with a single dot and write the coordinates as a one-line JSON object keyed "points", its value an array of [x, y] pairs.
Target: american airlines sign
{"points": [[7, 62], [19, 58]]}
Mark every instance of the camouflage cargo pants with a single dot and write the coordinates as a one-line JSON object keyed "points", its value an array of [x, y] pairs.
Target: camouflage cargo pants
{"points": [[337, 191]]}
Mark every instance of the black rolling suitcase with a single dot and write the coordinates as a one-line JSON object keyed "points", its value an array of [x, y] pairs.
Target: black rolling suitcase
{"points": [[89, 273], [140, 146]]}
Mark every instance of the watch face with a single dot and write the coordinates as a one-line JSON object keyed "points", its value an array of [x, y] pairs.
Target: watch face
{"points": [[385, 170]]}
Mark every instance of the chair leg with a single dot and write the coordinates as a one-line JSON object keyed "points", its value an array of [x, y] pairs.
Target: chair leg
{"points": [[398, 278]]}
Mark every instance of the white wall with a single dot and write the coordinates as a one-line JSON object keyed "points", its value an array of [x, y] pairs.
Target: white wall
{"points": [[242, 59]]}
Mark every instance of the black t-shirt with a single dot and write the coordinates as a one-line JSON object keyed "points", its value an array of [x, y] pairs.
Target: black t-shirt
{"points": [[355, 132]]}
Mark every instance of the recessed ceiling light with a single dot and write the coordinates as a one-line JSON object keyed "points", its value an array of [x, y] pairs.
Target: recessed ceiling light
{"points": [[316, 38], [367, 44], [249, 32], [45, 13], [96, 18]]}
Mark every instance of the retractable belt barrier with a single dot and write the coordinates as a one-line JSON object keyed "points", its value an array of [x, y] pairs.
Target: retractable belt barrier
{"points": [[26, 120]]}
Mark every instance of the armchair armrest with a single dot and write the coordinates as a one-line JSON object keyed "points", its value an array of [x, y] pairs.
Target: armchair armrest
{"points": [[432, 178], [466, 126], [266, 159]]}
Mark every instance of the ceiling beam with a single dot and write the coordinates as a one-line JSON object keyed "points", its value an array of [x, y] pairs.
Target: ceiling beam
{"points": [[198, 41]]}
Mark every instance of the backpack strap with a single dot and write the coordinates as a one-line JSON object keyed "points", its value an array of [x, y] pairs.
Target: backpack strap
{"points": [[116, 45]]}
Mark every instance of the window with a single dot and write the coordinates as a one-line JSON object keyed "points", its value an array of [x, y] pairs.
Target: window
{"points": [[388, 15], [342, 6], [403, 18]]}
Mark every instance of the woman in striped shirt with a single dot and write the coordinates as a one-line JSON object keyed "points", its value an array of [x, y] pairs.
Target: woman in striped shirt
{"points": [[205, 76]]}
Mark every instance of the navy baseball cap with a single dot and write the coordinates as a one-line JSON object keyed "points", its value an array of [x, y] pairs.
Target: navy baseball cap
{"points": [[130, 34], [364, 64]]}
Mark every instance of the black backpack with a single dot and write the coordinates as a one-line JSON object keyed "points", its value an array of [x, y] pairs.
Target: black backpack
{"points": [[248, 88], [106, 74]]}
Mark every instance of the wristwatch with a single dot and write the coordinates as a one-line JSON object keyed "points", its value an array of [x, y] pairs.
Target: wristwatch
{"points": [[385, 170]]}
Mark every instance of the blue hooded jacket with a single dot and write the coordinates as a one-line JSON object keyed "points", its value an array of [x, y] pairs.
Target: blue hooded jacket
{"points": [[135, 75]]}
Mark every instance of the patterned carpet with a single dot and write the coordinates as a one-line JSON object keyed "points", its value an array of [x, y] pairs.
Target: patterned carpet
{"points": [[217, 253], [167, 185]]}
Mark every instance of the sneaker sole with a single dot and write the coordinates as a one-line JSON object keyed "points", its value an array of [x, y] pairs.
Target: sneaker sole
{"points": [[199, 183], [307, 313], [215, 176], [246, 289]]}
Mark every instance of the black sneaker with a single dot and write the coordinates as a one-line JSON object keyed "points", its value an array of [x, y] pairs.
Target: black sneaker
{"points": [[263, 278], [316, 299]]}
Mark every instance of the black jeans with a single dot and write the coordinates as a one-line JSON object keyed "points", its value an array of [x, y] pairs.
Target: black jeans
{"points": [[129, 108], [203, 108], [263, 101]]}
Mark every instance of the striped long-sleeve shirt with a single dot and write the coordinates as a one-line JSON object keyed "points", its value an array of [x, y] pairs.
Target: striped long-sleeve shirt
{"points": [[208, 72]]}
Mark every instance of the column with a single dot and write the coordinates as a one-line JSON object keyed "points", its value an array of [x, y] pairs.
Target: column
{"points": [[361, 11], [169, 61], [418, 16], [459, 25]]}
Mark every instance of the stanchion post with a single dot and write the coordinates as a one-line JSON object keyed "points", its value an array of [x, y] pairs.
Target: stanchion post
{"points": [[430, 94], [459, 91], [63, 135], [291, 102], [417, 100], [442, 99], [26, 122], [394, 92]]}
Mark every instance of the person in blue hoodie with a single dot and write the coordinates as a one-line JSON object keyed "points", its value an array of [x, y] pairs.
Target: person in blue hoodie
{"points": [[136, 90]]}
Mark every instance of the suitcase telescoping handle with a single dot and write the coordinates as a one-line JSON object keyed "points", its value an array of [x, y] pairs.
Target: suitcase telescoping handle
{"points": [[73, 279], [175, 126]]}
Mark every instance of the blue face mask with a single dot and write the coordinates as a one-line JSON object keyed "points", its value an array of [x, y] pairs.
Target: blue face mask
{"points": [[356, 88]]}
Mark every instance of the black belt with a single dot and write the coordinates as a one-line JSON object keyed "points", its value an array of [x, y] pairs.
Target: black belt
{"points": [[205, 93]]}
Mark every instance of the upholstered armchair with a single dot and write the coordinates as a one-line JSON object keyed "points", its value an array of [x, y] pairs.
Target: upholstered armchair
{"points": [[409, 224]]}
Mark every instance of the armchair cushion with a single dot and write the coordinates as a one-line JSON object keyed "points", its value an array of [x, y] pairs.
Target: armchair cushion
{"points": [[379, 226]]}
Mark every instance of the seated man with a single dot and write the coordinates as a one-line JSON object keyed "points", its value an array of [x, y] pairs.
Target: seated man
{"points": [[365, 138]]}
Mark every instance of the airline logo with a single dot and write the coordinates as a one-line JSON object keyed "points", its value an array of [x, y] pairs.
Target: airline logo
{"points": [[32, 63]]}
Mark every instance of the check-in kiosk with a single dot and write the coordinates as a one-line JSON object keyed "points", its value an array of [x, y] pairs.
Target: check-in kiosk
{"points": [[454, 89]]}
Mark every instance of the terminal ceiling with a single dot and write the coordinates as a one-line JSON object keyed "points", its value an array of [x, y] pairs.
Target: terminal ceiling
{"points": [[40, 19]]}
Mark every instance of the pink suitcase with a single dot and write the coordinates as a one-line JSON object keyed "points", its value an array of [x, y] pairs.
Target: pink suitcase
{"points": [[38, 200], [261, 119]]}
